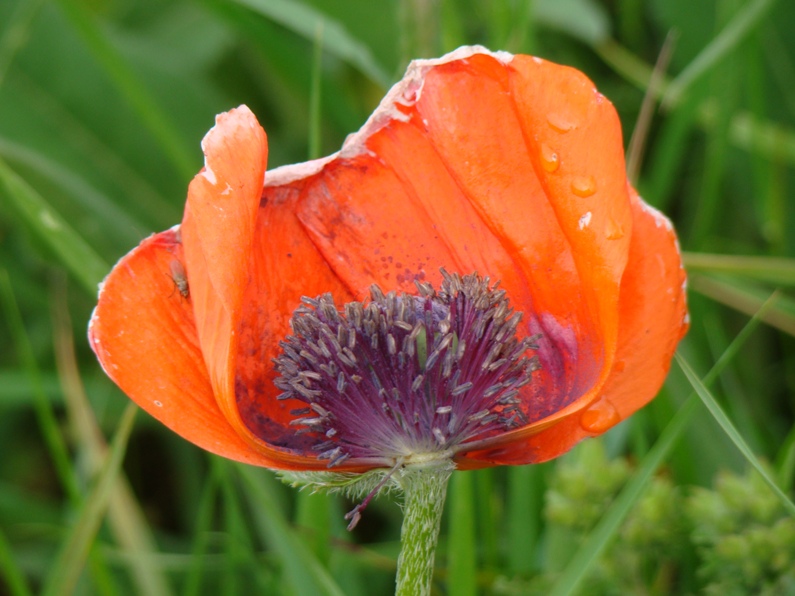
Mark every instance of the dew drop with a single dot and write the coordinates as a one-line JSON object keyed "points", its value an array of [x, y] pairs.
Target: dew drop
{"points": [[583, 186], [549, 158], [614, 230], [159, 404], [560, 123], [601, 416]]}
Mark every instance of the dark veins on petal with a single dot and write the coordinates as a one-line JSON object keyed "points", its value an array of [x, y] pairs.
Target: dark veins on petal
{"points": [[402, 375]]}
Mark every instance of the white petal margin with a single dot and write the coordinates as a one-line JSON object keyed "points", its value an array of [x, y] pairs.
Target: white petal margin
{"points": [[405, 92], [660, 219]]}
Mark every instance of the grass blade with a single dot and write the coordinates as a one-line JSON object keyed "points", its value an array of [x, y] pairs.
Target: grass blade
{"points": [[419, 30], [525, 503], [584, 20], [773, 140], [131, 88], [10, 571], [774, 270], [315, 95], [579, 565], [786, 463], [17, 33], [47, 422], [239, 543], [76, 255], [301, 567], [637, 143], [748, 132], [488, 517], [120, 224], [44, 413], [747, 300], [126, 520], [461, 555], [71, 559], [726, 424], [313, 515], [201, 534], [586, 555], [304, 20], [726, 41]]}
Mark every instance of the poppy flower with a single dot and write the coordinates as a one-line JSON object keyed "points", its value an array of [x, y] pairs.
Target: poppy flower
{"points": [[304, 318]]}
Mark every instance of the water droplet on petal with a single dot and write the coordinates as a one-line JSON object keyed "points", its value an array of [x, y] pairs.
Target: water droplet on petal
{"points": [[549, 158], [614, 230], [583, 186], [599, 417], [560, 123], [159, 404]]}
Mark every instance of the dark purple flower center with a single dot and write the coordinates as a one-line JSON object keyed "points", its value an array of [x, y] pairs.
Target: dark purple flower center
{"points": [[402, 376]]}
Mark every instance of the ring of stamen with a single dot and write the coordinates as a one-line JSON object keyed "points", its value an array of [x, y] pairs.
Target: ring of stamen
{"points": [[406, 377]]}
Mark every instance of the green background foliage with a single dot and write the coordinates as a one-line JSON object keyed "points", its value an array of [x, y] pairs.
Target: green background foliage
{"points": [[102, 107]]}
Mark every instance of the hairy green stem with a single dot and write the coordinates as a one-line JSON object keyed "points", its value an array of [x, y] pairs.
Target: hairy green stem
{"points": [[424, 489]]}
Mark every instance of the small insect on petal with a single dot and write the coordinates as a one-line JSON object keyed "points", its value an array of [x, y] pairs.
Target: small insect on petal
{"points": [[180, 278]]}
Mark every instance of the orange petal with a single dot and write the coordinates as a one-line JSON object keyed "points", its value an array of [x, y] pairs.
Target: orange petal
{"points": [[508, 166], [245, 285], [217, 232], [653, 318], [285, 266], [573, 278], [563, 115], [428, 183], [144, 335], [218, 235], [650, 328]]}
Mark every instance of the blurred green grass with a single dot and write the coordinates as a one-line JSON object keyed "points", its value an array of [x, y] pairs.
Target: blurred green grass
{"points": [[102, 107]]}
